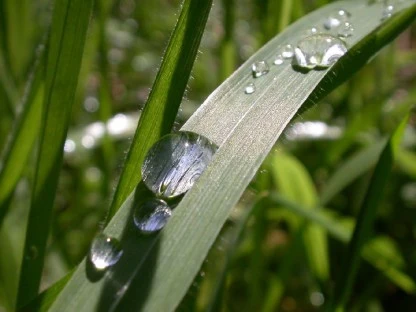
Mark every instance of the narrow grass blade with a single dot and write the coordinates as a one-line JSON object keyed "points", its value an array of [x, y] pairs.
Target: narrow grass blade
{"points": [[373, 253], [363, 228], [245, 128], [295, 183], [163, 103], [65, 48], [23, 136], [350, 170]]}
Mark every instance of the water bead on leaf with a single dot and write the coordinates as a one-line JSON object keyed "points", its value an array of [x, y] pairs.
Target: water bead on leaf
{"points": [[105, 251], [318, 51], [250, 89], [175, 162], [287, 51], [335, 19], [345, 30], [152, 216], [259, 69]]}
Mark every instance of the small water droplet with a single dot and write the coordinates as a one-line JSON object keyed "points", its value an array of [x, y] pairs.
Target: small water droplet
{"points": [[312, 31], [287, 51], [319, 51], [335, 19], [278, 60], [250, 89], [345, 30], [260, 69], [152, 216], [317, 298], [175, 162], [69, 146], [105, 251], [388, 11]]}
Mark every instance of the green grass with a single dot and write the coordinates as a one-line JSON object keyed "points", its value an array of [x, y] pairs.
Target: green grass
{"points": [[267, 222]]}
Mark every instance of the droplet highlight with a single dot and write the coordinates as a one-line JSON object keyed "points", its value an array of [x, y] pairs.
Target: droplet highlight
{"points": [[152, 216], [388, 11], [250, 89], [278, 60], [345, 30], [105, 252], [319, 51], [287, 51], [175, 162], [336, 18], [259, 69]]}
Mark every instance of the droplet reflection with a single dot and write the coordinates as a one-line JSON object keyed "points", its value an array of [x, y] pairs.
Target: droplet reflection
{"points": [[104, 252], [152, 216], [175, 162]]}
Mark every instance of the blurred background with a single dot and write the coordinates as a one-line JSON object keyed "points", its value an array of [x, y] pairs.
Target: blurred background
{"points": [[258, 262]]}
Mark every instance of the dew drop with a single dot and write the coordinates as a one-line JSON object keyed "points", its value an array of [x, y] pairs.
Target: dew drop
{"points": [[250, 89], [287, 51], [388, 11], [278, 60], [319, 51], [175, 162], [335, 19], [105, 252], [312, 31], [152, 216], [260, 69], [345, 30]]}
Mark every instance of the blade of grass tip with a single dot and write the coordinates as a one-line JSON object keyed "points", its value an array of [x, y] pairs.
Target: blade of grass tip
{"points": [[24, 134], [234, 121], [365, 221], [162, 106], [67, 38]]}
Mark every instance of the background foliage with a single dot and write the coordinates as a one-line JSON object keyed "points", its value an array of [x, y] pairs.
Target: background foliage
{"points": [[260, 256]]}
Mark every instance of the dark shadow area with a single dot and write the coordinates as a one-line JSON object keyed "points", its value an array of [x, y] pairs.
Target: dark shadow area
{"points": [[120, 279]]}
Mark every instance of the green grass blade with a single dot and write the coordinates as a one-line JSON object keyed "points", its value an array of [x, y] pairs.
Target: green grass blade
{"points": [[163, 103], [65, 48], [379, 257], [164, 265], [23, 136], [350, 170], [363, 228]]}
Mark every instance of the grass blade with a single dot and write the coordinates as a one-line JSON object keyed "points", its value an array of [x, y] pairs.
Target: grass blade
{"points": [[165, 264], [65, 48], [24, 134], [163, 103], [365, 221]]}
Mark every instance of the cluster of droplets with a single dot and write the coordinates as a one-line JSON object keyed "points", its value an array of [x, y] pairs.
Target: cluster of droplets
{"points": [[170, 169]]}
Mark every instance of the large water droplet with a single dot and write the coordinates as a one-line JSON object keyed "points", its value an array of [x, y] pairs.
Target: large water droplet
{"points": [[152, 216], [260, 69], [335, 19], [175, 162], [345, 30], [319, 51], [105, 251], [250, 89]]}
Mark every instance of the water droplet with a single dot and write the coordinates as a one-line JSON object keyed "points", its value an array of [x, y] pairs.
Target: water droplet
{"points": [[345, 30], [317, 298], [152, 216], [88, 141], [335, 19], [287, 51], [69, 146], [319, 51], [105, 252], [312, 31], [250, 89], [388, 11], [175, 162], [259, 69], [278, 60]]}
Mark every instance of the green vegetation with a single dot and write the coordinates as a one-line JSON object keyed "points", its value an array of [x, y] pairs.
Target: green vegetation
{"points": [[308, 205]]}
